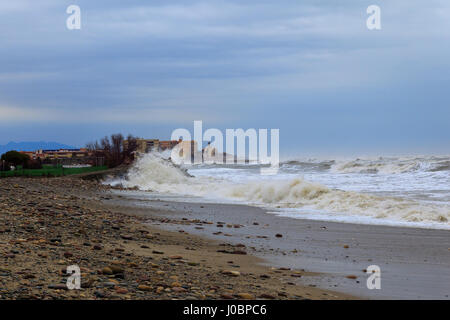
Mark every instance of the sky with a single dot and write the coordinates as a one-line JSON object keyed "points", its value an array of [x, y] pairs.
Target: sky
{"points": [[309, 68]]}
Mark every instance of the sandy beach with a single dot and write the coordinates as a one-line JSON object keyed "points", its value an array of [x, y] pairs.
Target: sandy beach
{"points": [[123, 252]]}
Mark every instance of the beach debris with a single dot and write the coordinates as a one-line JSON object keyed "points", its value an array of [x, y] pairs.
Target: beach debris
{"points": [[231, 273], [232, 251], [58, 286], [107, 270], [121, 290], [117, 270], [246, 296], [144, 287]]}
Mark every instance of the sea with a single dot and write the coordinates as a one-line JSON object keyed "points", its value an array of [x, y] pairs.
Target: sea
{"points": [[408, 191]]}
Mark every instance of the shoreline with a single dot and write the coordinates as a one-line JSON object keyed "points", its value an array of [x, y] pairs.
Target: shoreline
{"points": [[50, 223], [415, 262]]}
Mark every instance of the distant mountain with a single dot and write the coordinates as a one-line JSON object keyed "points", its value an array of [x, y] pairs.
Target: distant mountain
{"points": [[33, 145]]}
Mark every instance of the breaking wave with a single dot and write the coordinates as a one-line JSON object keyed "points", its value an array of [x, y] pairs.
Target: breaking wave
{"points": [[392, 165], [299, 193], [152, 172], [309, 164]]}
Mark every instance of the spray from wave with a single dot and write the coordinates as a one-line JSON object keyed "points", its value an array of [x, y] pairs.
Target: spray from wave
{"points": [[155, 173]]}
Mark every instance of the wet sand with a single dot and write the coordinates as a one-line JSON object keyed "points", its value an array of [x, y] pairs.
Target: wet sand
{"points": [[414, 262]]}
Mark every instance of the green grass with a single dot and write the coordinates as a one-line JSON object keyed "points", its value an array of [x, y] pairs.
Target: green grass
{"points": [[49, 171]]}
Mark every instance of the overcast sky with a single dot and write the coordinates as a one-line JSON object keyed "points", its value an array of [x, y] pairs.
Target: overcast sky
{"points": [[310, 68]]}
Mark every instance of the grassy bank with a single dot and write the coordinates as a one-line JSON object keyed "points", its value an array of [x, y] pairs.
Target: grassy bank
{"points": [[49, 171]]}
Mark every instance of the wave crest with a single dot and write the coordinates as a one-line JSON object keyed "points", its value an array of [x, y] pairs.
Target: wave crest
{"points": [[299, 193], [392, 166], [152, 172]]}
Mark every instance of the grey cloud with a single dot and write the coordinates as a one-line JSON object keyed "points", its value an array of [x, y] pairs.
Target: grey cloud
{"points": [[222, 58]]}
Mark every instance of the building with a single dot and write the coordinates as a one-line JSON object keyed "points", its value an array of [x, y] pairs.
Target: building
{"points": [[66, 153], [147, 145], [168, 145], [185, 151], [58, 154], [67, 156], [144, 145], [31, 154]]}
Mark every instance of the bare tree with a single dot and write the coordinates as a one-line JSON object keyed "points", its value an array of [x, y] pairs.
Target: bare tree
{"points": [[97, 152], [130, 147], [117, 148], [91, 146], [114, 149], [105, 146]]}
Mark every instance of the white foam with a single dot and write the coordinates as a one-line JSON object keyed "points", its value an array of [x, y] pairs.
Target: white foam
{"points": [[291, 191]]}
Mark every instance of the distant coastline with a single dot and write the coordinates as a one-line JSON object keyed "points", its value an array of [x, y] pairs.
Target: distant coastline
{"points": [[33, 145]]}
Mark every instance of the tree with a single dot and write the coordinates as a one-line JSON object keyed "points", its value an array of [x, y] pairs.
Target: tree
{"points": [[33, 164], [116, 148], [92, 146], [105, 145], [131, 147], [97, 152], [15, 158]]}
